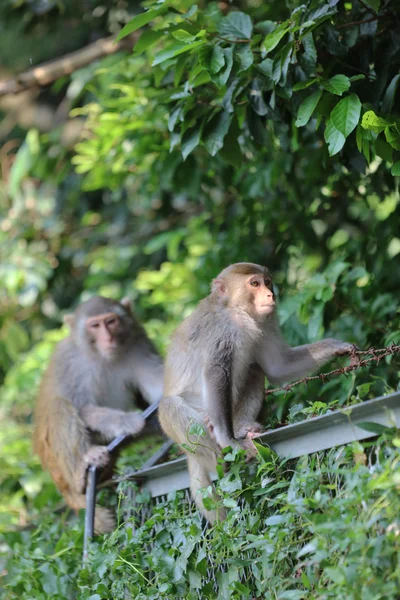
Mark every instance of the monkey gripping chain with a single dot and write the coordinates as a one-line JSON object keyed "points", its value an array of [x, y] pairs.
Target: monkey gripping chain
{"points": [[377, 354]]}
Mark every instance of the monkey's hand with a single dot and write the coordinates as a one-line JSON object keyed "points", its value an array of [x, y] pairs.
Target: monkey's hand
{"points": [[126, 423], [98, 456], [246, 443], [131, 424], [249, 429], [341, 348]]}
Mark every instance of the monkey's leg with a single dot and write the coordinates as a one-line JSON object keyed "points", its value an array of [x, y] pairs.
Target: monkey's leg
{"points": [[248, 405], [199, 479], [62, 440], [177, 418], [111, 423]]}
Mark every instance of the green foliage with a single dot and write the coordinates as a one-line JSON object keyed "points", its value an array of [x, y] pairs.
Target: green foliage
{"points": [[225, 65], [269, 133], [322, 527]]}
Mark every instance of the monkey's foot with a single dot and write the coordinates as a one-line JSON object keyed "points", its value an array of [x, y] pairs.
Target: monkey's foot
{"points": [[97, 456], [210, 426], [252, 430]]}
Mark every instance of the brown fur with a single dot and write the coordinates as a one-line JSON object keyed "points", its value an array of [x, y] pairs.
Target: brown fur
{"points": [[215, 367], [83, 396]]}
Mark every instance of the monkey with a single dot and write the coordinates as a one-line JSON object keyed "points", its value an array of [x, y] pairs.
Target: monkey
{"points": [[216, 365], [86, 392]]}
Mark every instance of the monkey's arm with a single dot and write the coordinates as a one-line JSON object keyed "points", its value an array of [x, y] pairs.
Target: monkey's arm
{"points": [[281, 363], [217, 390], [111, 423], [148, 376]]}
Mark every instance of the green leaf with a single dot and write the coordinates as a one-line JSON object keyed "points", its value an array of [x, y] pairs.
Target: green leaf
{"points": [[333, 138], [393, 137], [265, 452], [374, 4], [275, 520], [256, 97], [175, 50], [197, 429], [372, 122], [190, 141], [384, 150], [245, 57], [146, 40], [173, 118], [183, 36], [374, 427], [140, 20], [307, 108], [231, 152], [273, 38], [292, 595], [241, 588], [216, 131], [396, 169], [346, 114], [390, 94], [337, 84], [236, 25], [229, 503], [302, 85], [222, 77], [266, 67], [217, 59]]}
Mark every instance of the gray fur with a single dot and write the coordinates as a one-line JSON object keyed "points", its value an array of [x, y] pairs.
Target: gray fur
{"points": [[215, 366]]}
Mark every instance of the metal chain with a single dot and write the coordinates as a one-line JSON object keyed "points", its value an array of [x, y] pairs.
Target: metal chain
{"points": [[377, 354]]}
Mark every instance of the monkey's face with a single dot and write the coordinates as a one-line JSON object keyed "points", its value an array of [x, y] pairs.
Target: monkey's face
{"points": [[260, 294], [104, 333]]}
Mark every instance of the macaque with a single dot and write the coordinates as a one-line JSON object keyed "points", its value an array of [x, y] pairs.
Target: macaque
{"points": [[92, 381], [215, 368]]}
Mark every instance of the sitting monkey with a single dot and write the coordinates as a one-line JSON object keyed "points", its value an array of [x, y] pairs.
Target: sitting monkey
{"points": [[87, 388], [215, 367]]}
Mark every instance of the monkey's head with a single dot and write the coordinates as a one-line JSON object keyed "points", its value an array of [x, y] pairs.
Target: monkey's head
{"points": [[102, 326], [246, 286]]}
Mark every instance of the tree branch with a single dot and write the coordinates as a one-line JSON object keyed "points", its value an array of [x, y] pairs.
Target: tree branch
{"points": [[52, 70]]}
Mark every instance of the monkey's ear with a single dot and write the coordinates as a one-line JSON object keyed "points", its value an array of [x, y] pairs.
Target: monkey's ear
{"points": [[218, 287], [68, 320], [127, 304]]}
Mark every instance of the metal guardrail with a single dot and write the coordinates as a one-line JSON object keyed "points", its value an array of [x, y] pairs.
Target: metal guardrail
{"points": [[306, 437], [319, 433], [92, 480]]}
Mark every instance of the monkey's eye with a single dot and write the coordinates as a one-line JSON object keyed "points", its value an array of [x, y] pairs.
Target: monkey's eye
{"points": [[111, 321], [255, 283], [95, 325], [267, 282]]}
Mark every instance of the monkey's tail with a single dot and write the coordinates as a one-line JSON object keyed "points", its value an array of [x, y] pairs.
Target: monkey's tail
{"points": [[104, 520], [200, 478]]}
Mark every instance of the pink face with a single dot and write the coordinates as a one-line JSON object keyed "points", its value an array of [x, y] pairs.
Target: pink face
{"points": [[103, 331], [263, 299]]}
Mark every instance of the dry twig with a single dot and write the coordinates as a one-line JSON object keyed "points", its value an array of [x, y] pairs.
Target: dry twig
{"points": [[52, 70]]}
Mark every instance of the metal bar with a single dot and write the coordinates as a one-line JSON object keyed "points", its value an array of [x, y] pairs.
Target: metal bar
{"points": [[320, 433], [153, 460], [92, 476], [90, 508]]}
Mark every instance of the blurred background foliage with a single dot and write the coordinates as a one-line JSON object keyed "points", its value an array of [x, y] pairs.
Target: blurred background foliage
{"points": [[218, 132]]}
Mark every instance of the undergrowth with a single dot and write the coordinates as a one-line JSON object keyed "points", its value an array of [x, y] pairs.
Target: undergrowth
{"points": [[324, 526]]}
